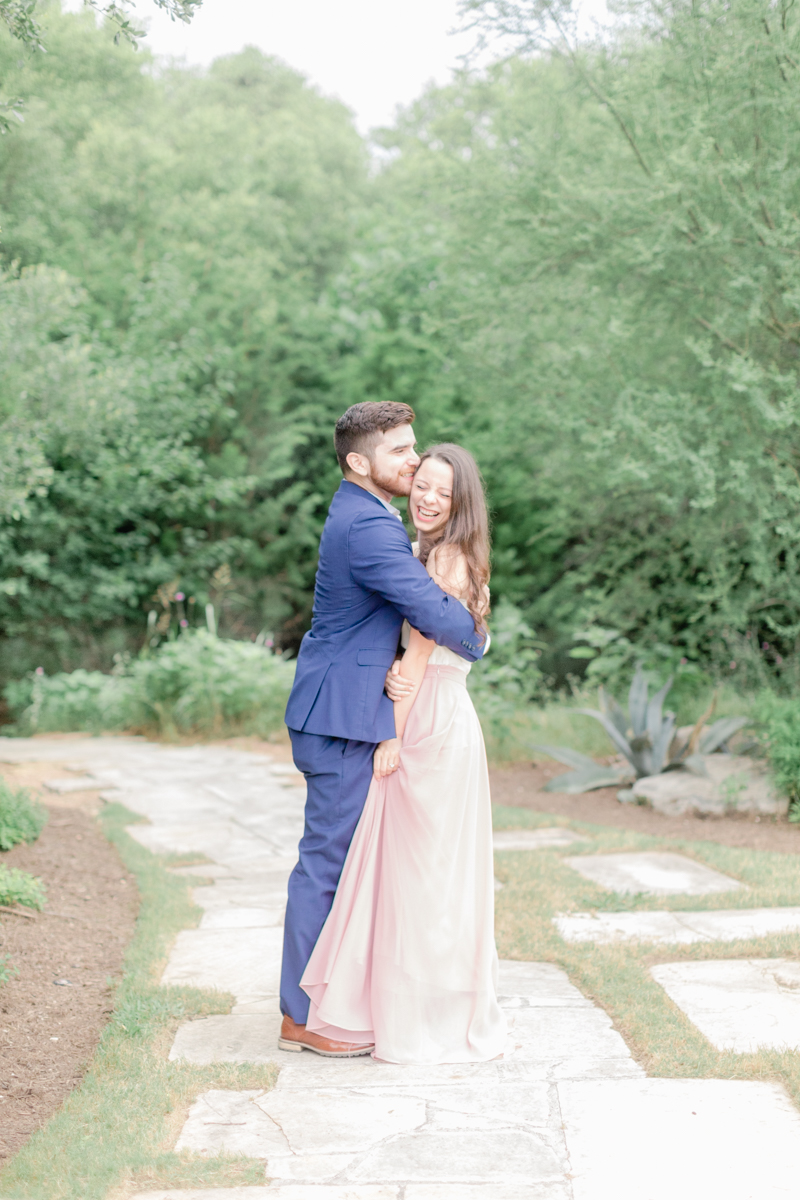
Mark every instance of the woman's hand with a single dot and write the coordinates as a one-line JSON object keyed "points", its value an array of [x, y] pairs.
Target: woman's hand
{"points": [[396, 687], [386, 758]]}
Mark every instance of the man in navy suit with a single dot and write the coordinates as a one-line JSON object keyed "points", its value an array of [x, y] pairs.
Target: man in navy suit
{"points": [[368, 580]]}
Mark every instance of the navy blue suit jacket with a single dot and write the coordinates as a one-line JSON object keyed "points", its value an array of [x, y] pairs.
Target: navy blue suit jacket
{"points": [[368, 580]]}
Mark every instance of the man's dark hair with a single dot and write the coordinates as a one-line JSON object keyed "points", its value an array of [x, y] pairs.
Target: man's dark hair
{"points": [[359, 430]]}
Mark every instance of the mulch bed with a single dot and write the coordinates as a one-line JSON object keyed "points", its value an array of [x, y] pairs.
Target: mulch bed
{"points": [[48, 1031], [521, 786]]}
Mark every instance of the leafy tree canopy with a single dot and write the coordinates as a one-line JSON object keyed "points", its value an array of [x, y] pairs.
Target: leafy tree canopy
{"points": [[581, 262]]}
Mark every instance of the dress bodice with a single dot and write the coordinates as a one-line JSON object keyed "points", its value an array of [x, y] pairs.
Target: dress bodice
{"points": [[440, 655]]}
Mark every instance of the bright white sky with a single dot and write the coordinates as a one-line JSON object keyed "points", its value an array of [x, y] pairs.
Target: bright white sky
{"points": [[371, 54]]}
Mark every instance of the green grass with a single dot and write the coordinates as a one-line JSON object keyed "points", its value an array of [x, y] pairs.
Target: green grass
{"points": [[510, 737], [117, 1128], [538, 885]]}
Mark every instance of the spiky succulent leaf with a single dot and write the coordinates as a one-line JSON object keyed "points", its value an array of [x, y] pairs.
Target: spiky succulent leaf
{"points": [[713, 737], [585, 780], [661, 743], [655, 719], [613, 709], [566, 755], [637, 701], [619, 739]]}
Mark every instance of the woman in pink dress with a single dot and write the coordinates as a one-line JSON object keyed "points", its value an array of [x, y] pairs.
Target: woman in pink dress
{"points": [[407, 958]]}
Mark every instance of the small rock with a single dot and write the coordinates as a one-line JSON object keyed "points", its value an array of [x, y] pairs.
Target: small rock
{"points": [[61, 983]]}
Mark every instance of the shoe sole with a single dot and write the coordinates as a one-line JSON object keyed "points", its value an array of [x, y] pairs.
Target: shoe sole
{"points": [[297, 1047]]}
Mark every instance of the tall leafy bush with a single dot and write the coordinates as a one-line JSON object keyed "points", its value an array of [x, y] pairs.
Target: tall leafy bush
{"points": [[780, 724], [197, 684]]}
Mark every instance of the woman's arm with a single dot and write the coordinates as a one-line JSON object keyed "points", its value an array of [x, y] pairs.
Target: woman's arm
{"points": [[415, 660]]}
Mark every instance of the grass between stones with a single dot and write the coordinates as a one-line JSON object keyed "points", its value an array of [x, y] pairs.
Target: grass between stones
{"points": [[538, 885], [112, 1137]]}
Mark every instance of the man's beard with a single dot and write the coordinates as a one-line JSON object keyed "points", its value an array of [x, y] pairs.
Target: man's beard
{"points": [[395, 485]]}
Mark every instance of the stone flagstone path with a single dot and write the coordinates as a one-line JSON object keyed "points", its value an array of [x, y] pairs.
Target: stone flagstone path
{"points": [[566, 1115], [741, 1004], [658, 873], [721, 925]]}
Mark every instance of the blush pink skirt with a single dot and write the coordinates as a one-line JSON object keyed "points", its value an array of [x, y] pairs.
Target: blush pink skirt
{"points": [[407, 956]]}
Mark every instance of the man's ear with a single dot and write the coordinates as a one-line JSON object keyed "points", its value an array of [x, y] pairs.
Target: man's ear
{"points": [[359, 464]]}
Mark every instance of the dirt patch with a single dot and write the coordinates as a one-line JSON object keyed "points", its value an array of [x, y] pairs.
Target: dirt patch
{"points": [[49, 1030], [521, 786]]}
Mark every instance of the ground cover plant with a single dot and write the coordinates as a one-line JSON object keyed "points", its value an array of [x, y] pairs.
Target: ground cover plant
{"points": [[21, 820], [118, 1126], [538, 885], [18, 887]]}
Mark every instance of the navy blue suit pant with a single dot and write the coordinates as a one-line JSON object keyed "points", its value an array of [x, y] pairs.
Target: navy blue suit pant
{"points": [[338, 773]]}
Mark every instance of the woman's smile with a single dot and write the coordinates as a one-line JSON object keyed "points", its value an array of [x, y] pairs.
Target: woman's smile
{"points": [[431, 498]]}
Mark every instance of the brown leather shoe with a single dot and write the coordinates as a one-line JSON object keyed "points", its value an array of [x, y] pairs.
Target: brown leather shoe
{"points": [[296, 1038]]}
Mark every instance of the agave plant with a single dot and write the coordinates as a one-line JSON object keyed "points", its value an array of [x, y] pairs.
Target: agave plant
{"points": [[646, 737]]}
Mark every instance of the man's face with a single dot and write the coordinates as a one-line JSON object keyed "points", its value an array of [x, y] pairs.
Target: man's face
{"points": [[393, 463]]}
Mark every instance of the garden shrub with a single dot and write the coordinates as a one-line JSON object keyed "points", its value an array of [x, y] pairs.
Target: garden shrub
{"points": [[21, 820], [779, 720], [196, 684], [66, 702], [17, 887], [204, 684]]}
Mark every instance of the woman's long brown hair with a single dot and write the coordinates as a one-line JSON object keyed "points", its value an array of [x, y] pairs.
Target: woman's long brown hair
{"points": [[467, 528]]}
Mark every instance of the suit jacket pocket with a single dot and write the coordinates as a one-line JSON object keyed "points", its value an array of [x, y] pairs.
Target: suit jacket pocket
{"points": [[376, 658]]}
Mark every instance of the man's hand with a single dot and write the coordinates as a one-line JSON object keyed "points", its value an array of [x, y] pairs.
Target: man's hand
{"points": [[397, 688], [386, 758]]}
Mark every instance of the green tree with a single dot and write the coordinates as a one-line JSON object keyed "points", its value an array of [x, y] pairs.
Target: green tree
{"points": [[608, 306]]}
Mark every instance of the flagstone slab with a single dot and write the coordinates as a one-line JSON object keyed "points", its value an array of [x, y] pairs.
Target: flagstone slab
{"points": [[264, 888], [657, 873], [552, 1037], [224, 1122], [658, 1139], [724, 925], [234, 1037], [738, 1004], [243, 918], [332, 1121], [534, 839], [237, 1193], [512, 1156], [512, 1136], [80, 783], [536, 983], [246, 962], [553, 1031], [203, 871]]}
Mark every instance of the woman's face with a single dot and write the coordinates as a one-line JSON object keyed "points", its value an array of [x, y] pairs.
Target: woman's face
{"points": [[431, 496]]}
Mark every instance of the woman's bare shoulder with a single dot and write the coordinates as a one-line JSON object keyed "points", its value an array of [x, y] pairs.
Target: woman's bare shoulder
{"points": [[447, 566]]}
